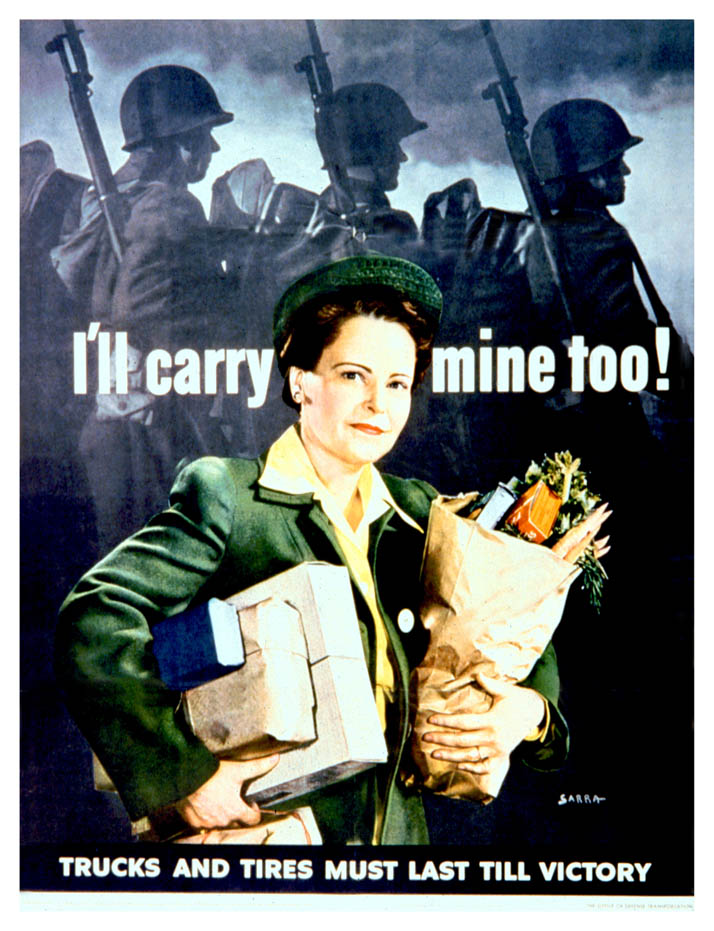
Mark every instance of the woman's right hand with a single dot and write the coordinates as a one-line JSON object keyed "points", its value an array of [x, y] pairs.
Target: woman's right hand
{"points": [[219, 802]]}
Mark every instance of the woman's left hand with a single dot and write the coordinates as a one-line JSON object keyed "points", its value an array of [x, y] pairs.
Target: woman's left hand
{"points": [[482, 742]]}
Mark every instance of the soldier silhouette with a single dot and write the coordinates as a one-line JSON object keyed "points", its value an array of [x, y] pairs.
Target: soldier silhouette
{"points": [[166, 292], [367, 124], [578, 148]]}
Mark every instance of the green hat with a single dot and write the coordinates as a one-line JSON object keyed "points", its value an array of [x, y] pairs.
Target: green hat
{"points": [[358, 271]]}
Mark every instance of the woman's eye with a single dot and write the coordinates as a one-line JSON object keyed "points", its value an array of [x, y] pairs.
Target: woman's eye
{"points": [[400, 385], [351, 376]]}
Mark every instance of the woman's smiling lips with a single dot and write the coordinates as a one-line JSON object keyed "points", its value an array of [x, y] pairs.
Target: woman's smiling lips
{"points": [[369, 428]]}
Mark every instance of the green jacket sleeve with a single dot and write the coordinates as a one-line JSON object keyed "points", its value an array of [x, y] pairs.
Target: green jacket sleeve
{"points": [[104, 659], [551, 752]]}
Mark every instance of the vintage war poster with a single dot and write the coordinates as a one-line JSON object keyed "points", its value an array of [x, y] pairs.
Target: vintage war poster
{"points": [[542, 172]]}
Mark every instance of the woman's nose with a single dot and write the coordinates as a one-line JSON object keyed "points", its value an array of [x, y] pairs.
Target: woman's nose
{"points": [[375, 399]]}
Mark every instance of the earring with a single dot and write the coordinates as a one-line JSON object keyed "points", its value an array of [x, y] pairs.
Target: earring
{"points": [[297, 395]]}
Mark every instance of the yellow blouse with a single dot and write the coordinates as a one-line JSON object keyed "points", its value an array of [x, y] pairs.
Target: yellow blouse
{"points": [[288, 469]]}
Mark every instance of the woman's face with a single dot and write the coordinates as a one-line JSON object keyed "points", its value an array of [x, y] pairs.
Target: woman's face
{"points": [[355, 403]]}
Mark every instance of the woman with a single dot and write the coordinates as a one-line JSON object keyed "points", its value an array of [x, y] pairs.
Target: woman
{"points": [[353, 340]]}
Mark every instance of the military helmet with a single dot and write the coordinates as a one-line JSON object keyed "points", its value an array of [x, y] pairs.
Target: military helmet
{"points": [[367, 119], [166, 100], [577, 136]]}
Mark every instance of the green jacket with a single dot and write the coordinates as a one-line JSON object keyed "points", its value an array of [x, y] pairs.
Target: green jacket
{"points": [[222, 533]]}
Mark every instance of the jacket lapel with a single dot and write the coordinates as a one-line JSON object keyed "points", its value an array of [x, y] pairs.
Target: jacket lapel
{"points": [[310, 529]]}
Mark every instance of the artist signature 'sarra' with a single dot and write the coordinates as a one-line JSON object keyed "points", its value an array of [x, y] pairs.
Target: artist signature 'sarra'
{"points": [[580, 799]]}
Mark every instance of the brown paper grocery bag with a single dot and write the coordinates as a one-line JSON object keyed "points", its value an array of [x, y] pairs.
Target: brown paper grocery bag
{"points": [[492, 603]]}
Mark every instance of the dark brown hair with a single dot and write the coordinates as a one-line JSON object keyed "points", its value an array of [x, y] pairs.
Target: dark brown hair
{"points": [[317, 325]]}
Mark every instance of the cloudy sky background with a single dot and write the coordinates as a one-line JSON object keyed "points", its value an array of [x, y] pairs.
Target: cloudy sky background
{"points": [[643, 68]]}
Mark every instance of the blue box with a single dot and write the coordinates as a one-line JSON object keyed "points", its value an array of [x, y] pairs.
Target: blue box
{"points": [[198, 645]]}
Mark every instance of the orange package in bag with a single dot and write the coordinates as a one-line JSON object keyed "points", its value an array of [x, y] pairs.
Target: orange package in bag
{"points": [[535, 512]]}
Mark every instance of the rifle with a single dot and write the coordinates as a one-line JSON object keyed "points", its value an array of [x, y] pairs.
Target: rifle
{"points": [[319, 81], [510, 109], [78, 81]]}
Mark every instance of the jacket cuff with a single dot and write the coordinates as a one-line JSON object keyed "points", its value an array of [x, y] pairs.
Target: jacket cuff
{"points": [[549, 753], [155, 784]]}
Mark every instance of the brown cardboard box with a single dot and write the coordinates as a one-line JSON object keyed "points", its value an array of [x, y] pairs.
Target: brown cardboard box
{"points": [[349, 734], [244, 713]]}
